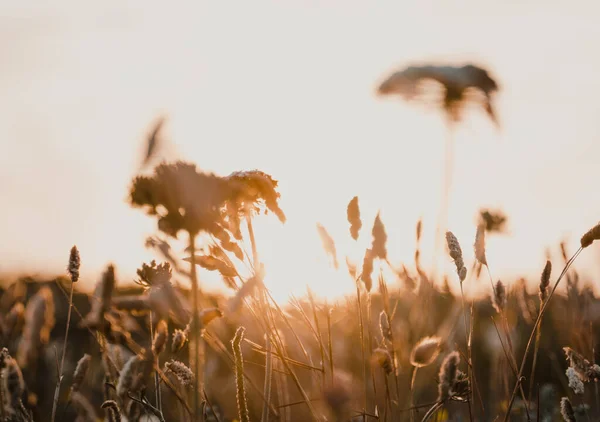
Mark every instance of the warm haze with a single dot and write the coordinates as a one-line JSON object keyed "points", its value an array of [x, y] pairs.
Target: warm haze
{"points": [[289, 88]]}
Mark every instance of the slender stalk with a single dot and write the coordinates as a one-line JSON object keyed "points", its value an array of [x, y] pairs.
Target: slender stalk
{"points": [[268, 378], [510, 356], [362, 346], [329, 340], [538, 322], [196, 325], [370, 339], [536, 348], [470, 373], [156, 365], [432, 411], [412, 394], [64, 352]]}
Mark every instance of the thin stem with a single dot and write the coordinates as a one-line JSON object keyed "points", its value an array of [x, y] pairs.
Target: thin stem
{"points": [[536, 348], [468, 340], [538, 322], [268, 378], [156, 364], [64, 352], [432, 411], [329, 340], [195, 324], [362, 345], [412, 394]]}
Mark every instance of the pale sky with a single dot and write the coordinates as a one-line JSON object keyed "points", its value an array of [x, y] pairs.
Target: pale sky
{"points": [[289, 87]]}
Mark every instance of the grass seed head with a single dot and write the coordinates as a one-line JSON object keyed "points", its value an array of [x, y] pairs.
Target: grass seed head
{"points": [[499, 299], [160, 338], [181, 371], [545, 280], [74, 264], [353, 213], [575, 383], [480, 245], [590, 236], [425, 351], [80, 371], [566, 410], [447, 375]]}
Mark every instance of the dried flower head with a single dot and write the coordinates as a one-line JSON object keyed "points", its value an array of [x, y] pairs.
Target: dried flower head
{"points": [[499, 299], [134, 374], [575, 382], [590, 236], [80, 371], [379, 239], [39, 321], [160, 337], [367, 269], [580, 364], [384, 326], [353, 213], [383, 358], [74, 264], [461, 85], [113, 408], [242, 401], [456, 254], [448, 375], [181, 371], [425, 351], [253, 187], [154, 274], [566, 410], [328, 244], [179, 339], [494, 220], [480, 245], [545, 280]]}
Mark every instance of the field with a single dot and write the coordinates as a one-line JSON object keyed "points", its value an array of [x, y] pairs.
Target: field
{"points": [[397, 350]]}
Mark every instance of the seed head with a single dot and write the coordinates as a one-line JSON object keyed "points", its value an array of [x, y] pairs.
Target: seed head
{"points": [[545, 280], [181, 371], [160, 337], [74, 264], [383, 358], [353, 212], [384, 326], [179, 339], [447, 375], [574, 381], [367, 269], [80, 371], [499, 300], [480, 245], [456, 254], [566, 410], [379, 239], [592, 234], [425, 351]]}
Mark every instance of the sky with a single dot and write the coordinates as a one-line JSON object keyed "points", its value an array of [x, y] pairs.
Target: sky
{"points": [[289, 88]]}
